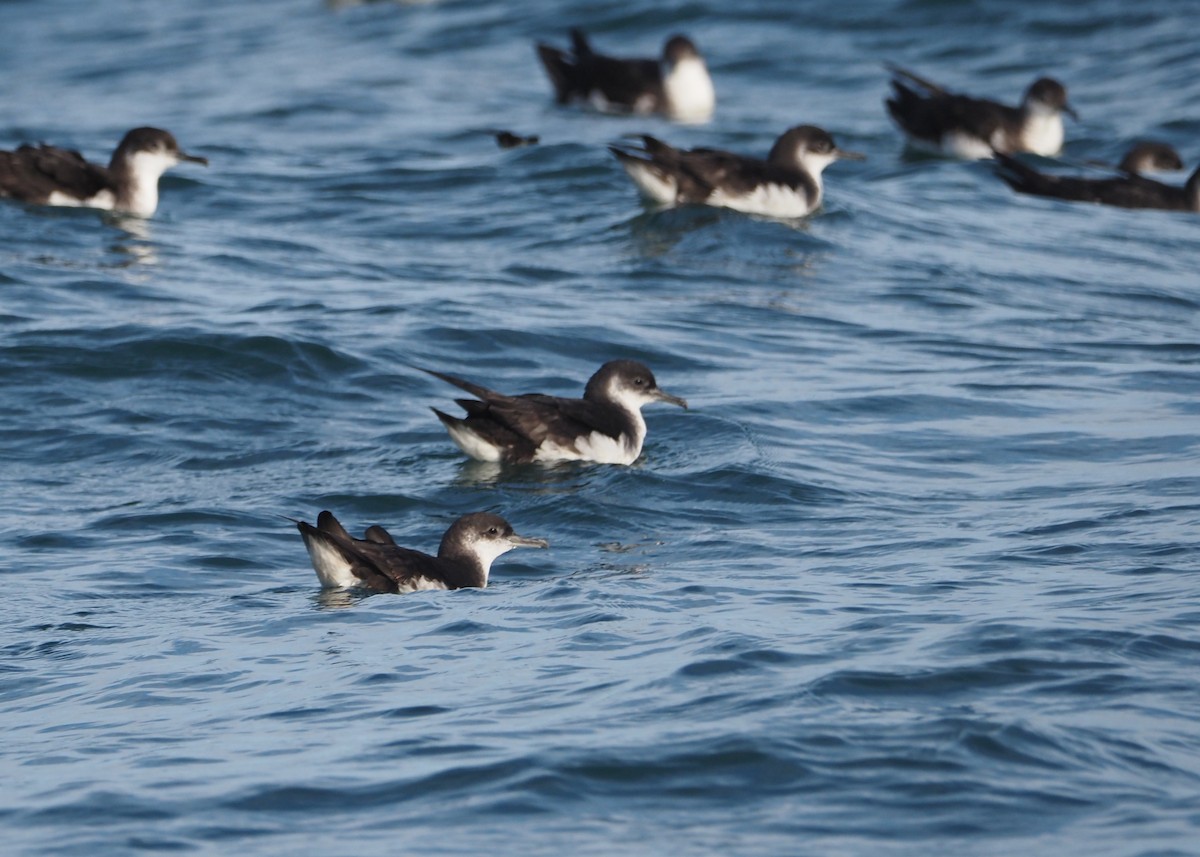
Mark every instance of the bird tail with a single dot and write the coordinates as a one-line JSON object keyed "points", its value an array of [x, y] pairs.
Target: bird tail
{"points": [[559, 69]]}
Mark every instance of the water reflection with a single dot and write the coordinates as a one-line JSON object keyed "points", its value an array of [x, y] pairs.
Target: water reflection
{"points": [[340, 599], [136, 246], [550, 478]]}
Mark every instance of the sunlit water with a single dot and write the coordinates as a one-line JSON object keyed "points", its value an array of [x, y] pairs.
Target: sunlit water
{"points": [[916, 574]]}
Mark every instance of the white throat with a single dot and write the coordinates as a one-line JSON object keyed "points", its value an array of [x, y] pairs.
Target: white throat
{"points": [[689, 89], [145, 169], [488, 551], [1043, 131], [631, 401]]}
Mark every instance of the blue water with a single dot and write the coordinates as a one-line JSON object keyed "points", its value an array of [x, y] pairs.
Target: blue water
{"points": [[917, 574]]}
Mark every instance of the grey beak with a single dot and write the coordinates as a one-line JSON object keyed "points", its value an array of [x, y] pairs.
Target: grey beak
{"points": [[845, 155], [524, 542], [195, 159], [1070, 111], [664, 396]]}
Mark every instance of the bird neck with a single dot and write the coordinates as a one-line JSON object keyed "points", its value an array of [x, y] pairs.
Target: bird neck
{"points": [[136, 180]]}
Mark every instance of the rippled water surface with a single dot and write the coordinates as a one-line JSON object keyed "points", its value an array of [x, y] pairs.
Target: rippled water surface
{"points": [[917, 573]]}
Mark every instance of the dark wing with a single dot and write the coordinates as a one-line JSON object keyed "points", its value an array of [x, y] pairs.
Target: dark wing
{"points": [[379, 535], [1023, 178], [399, 566], [33, 173], [377, 561], [331, 534], [535, 417], [667, 161], [923, 83], [931, 116], [738, 174], [622, 82], [1123, 191], [520, 424], [474, 389], [560, 70]]}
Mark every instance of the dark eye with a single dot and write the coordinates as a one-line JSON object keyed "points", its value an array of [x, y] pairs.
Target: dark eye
{"points": [[493, 531], [639, 382]]}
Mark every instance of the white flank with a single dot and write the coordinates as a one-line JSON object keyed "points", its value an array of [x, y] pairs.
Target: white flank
{"points": [[598, 102], [644, 104], [600, 447], [963, 145], [654, 184], [689, 89], [332, 568], [103, 200], [474, 445], [773, 200], [596, 447]]}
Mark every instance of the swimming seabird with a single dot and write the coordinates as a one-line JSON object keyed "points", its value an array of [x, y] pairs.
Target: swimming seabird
{"points": [[678, 85], [377, 562], [1130, 190], [48, 175], [605, 426], [787, 184], [1150, 156], [966, 127]]}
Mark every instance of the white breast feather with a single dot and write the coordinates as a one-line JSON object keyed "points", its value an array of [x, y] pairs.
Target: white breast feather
{"points": [[1043, 133], [689, 89]]}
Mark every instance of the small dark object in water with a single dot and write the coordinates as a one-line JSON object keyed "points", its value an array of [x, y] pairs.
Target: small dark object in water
{"points": [[509, 140]]}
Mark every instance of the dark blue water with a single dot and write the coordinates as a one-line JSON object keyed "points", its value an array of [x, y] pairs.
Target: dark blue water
{"points": [[918, 573]]}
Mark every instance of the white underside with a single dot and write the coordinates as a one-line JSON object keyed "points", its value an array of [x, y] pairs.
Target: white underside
{"points": [[959, 144], [1043, 134], [473, 445], [689, 90]]}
